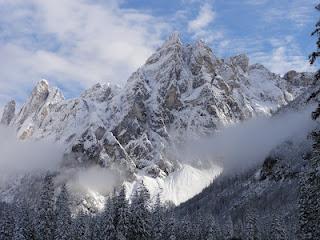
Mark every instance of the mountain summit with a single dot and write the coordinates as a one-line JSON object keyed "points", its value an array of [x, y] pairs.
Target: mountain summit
{"points": [[182, 89]]}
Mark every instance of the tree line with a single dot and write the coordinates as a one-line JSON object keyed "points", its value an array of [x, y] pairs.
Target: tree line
{"points": [[140, 219]]}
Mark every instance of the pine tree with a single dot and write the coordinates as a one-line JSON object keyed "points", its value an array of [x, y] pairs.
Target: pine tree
{"points": [[97, 227], [81, 228], [309, 184], [309, 197], [238, 229], [251, 225], [278, 231], [45, 219], [158, 220], [140, 215], [108, 230], [229, 230], [24, 228], [171, 228], [305, 209], [121, 221], [213, 231], [63, 216], [184, 230], [6, 222]]}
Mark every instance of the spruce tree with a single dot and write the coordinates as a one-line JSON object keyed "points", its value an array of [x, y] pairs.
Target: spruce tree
{"points": [[81, 227], [63, 216], [121, 221], [238, 229], [108, 229], [6, 222], [278, 231], [140, 221], [251, 225], [309, 197], [171, 228], [229, 229], [213, 231], [185, 228], [97, 227], [158, 220], [45, 219], [309, 183], [24, 228]]}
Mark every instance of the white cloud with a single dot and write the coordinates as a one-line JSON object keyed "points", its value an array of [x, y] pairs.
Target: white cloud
{"points": [[26, 156], [245, 144], [205, 16], [281, 60], [282, 54], [73, 43], [201, 26], [298, 12]]}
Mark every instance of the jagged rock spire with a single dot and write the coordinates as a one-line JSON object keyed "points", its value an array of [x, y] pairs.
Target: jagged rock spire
{"points": [[41, 96], [8, 113], [174, 38]]}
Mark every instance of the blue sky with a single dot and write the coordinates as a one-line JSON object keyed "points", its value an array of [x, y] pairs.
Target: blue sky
{"points": [[76, 43]]}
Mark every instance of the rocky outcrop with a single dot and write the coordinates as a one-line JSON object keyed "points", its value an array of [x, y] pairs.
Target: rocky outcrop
{"points": [[8, 113], [36, 109]]}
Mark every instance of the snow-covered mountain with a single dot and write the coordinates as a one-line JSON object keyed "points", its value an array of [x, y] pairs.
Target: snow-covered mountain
{"points": [[182, 89]]}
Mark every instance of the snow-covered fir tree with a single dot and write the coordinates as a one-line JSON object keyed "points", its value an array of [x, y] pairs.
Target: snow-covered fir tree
{"points": [[184, 228], [24, 228], [213, 230], [121, 221], [81, 227], [228, 228], [108, 229], [309, 197], [171, 228], [45, 220], [251, 225], [63, 227], [278, 230], [140, 220], [6, 221], [238, 229], [158, 220]]}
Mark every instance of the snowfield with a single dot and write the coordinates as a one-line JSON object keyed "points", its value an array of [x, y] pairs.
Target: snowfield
{"points": [[180, 186]]}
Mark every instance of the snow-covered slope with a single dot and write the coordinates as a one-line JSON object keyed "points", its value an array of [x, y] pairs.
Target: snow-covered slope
{"points": [[179, 186], [182, 89]]}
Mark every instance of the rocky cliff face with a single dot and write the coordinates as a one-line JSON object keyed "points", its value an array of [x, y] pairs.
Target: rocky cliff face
{"points": [[8, 113], [182, 89]]}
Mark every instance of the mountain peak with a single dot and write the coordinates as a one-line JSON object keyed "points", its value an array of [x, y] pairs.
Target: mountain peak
{"points": [[41, 88], [174, 38]]}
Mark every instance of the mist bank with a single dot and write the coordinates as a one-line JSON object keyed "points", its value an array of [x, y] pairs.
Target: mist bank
{"points": [[243, 145], [28, 158], [17, 156]]}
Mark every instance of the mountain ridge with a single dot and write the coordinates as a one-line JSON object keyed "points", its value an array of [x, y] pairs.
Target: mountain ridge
{"points": [[182, 88]]}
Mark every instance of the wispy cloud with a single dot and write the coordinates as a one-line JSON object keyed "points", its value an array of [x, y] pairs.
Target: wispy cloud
{"points": [[282, 60], [202, 26], [76, 43], [297, 12], [205, 16], [285, 55], [73, 43]]}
